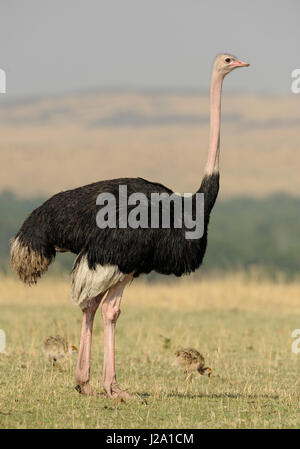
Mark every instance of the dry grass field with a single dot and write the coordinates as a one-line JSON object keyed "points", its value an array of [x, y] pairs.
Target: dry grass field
{"points": [[49, 145], [242, 324]]}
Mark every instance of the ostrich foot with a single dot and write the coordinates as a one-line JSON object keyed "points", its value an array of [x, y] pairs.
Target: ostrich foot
{"points": [[120, 395], [113, 391], [87, 390]]}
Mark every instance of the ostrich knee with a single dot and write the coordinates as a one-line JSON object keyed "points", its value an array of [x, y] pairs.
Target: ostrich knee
{"points": [[110, 313]]}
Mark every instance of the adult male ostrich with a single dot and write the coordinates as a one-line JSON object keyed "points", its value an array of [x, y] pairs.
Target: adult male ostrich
{"points": [[108, 259]]}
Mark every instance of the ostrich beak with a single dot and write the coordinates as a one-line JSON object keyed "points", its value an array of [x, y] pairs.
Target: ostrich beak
{"points": [[238, 63]]}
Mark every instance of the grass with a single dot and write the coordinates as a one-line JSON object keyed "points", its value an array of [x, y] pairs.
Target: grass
{"points": [[241, 324]]}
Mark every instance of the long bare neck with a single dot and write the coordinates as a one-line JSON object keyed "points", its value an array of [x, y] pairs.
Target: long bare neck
{"points": [[212, 165]]}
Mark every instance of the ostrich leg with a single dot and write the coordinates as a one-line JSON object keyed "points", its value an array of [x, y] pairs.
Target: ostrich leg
{"points": [[84, 356], [110, 314]]}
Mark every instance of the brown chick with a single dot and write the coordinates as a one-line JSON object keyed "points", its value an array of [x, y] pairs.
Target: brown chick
{"points": [[56, 348], [191, 360]]}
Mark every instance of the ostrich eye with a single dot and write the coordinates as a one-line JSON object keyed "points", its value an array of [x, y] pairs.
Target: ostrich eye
{"points": [[227, 60]]}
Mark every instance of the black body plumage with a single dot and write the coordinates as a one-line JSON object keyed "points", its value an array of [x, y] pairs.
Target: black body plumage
{"points": [[67, 221]]}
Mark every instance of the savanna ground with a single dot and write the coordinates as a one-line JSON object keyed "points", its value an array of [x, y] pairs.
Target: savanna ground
{"points": [[241, 324]]}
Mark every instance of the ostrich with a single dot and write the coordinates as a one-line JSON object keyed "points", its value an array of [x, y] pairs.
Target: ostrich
{"points": [[109, 258], [57, 348], [191, 360]]}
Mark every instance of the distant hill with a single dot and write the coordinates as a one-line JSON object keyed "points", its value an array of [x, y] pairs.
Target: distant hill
{"points": [[51, 144]]}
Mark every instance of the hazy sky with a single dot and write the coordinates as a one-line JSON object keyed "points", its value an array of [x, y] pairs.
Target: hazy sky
{"points": [[53, 46]]}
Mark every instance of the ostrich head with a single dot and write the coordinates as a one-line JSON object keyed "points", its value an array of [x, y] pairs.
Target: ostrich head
{"points": [[225, 63]]}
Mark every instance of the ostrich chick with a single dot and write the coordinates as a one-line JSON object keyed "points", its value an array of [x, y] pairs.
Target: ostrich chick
{"points": [[56, 348], [191, 360]]}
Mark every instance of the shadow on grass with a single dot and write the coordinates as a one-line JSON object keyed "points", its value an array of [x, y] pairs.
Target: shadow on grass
{"points": [[216, 395]]}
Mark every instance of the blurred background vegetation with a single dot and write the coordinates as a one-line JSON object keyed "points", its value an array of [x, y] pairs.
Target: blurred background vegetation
{"points": [[244, 233]]}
